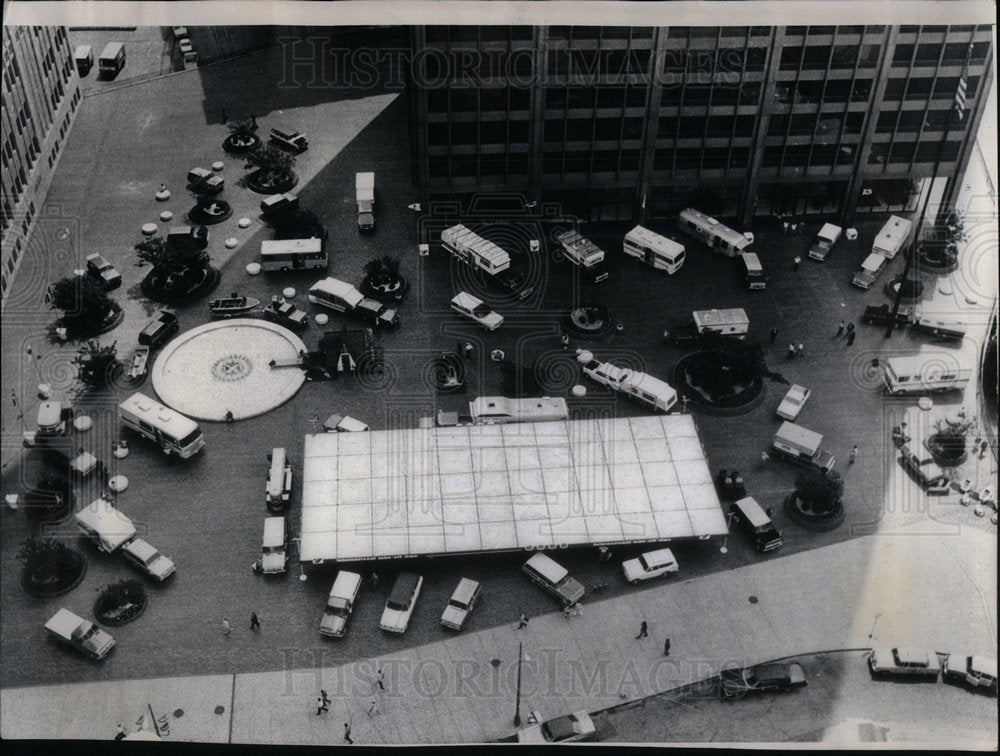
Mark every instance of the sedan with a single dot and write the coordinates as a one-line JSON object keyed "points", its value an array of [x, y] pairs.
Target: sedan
{"points": [[148, 559], [764, 678], [103, 271], [286, 314], [650, 565], [915, 662], [793, 402], [565, 729]]}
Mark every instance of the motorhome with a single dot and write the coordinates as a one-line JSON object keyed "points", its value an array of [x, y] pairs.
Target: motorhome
{"points": [[105, 525], [925, 372], [583, 253], [945, 324], [342, 297], [653, 249], [495, 410], [869, 270], [474, 250], [173, 432], [364, 188], [802, 445], [292, 254], [729, 322], [893, 237], [712, 233]]}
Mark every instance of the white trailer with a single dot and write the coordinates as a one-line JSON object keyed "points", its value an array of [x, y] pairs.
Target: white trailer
{"points": [[583, 253], [732, 322], [491, 410], [364, 187], [105, 525], [653, 249], [802, 445], [893, 237], [714, 234], [474, 250], [638, 385], [928, 371]]}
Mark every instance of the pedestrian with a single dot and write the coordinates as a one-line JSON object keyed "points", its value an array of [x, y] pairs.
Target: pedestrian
{"points": [[380, 678], [764, 456], [850, 337], [566, 611], [774, 335], [983, 448], [784, 227], [226, 627], [254, 621], [850, 327], [565, 341], [643, 630], [797, 260], [666, 647], [798, 350], [853, 455], [840, 329], [791, 351], [347, 733], [373, 580], [120, 734], [256, 569], [373, 709], [603, 554], [229, 416], [324, 696], [320, 705], [523, 622], [253, 121]]}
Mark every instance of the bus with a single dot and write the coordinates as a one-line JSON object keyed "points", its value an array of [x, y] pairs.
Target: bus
{"points": [[707, 229], [173, 432], [293, 254], [653, 249]]}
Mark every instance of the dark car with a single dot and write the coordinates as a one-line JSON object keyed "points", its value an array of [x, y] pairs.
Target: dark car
{"points": [[158, 330], [764, 678], [286, 314], [682, 334], [103, 271], [511, 281], [882, 315], [928, 474]]}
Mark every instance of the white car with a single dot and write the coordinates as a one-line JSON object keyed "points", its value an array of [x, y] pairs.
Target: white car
{"points": [[81, 634], [465, 304], [975, 671], [904, 661], [793, 402], [402, 599], [148, 559], [650, 565], [565, 729]]}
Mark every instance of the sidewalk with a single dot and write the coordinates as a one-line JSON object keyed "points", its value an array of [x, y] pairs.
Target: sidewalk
{"points": [[924, 589]]}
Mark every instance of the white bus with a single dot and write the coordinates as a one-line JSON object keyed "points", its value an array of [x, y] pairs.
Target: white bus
{"points": [[707, 229], [928, 371], [172, 432], [292, 254], [893, 237], [653, 249]]}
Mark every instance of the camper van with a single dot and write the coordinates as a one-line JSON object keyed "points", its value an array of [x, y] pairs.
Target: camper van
{"points": [[584, 254], [278, 491], [730, 322], [712, 233], [105, 525], [802, 445], [869, 271], [112, 59], [340, 604], [893, 237], [274, 549], [926, 372], [653, 249], [51, 419], [172, 432], [825, 240], [293, 254], [752, 271]]}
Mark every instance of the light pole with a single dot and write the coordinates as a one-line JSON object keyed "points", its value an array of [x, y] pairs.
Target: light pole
{"points": [[517, 706], [872, 632]]}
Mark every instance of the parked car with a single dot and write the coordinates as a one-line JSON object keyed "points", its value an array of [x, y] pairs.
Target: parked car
{"points": [[81, 634], [795, 399], [286, 314], [882, 315], [569, 728], [344, 424], [975, 671], [756, 522], [465, 304], [650, 565], [340, 603], [554, 578], [158, 330], [461, 604], [763, 678], [903, 661], [290, 139], [925, 471], [103, 271], [401, 602], [148, 559], [278, 490], [511, 281]]}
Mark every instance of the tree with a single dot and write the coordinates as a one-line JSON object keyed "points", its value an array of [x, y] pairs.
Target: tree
{"points": [[818, 491], [273, 164], [50, 566], [241, 127], [748, 359], [51, 499], [172, 261], [84, 302], [97, 366], [300, 224], [383, 272]]}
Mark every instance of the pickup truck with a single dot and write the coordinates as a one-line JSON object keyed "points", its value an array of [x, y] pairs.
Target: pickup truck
{"points": [[81, 634]]}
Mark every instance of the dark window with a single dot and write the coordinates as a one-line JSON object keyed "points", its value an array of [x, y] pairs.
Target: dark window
{"points": [[778, 124], [579, 129], [520, 99], [687, 159], [635, 97], [886, 121], [493, 132], [755, 58], [697, 95], [555, 97], [816, 57], [581, 97], [902, 152], [928, 54], [607, 128], [772, 156], [902, 55], [716, 157], [667, 127], [610, 97], [554, 130], [838, 90], [463, 133], [605, 162], [632, 128], [919, 89], [894, 89], [518, 131], [862, 90], [803, 124], [844, 56], [629, 161], [790, 58]]}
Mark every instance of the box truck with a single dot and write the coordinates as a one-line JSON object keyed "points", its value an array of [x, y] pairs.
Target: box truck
{"points": [[802, 445], [364, 187]]}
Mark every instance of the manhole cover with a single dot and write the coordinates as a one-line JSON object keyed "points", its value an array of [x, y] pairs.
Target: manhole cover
{"points": [[220, 709], [753, 599], [178, 713], [495, 662]]}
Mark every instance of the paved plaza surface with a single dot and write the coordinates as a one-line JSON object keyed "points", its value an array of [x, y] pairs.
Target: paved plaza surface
{"points": [[206, 513]]}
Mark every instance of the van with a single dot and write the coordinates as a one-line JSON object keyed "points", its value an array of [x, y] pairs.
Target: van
{"points": [[929, 475], [274, 556], [730, 322], [752, 271], [173, 432], [112, 59], [825, 240], [921, 373], [83, 56], [869, 271], [756, 523], [340, 604], [802, 445], [653, 249], [105, 525], [203, 181], [554, 578], [278, 491], [364, 189], [460, 605], [279, 202], [401, 602]]}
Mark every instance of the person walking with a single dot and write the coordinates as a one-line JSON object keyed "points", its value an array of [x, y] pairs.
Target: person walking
{"points": [[850, 337], [324, 696], [226, 627], [373, 709], [764, 456], [840, 329], [850, 327], [320, 705], [603, 554], [791, 351], [796, 262], [347, 733], [853, 455], [565, 341], [373, 580], [666, 647], [523, 621], [798, 349], [254, 621], [380, 679], [774, 335], [643, 631]]}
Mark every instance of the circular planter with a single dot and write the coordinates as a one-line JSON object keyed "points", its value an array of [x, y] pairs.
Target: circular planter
{"points": [[736, 403], [67, 576], [908, 297], [256, 183], [209, 212], [386, 292], [937, 266], [126, 608], [593, 320], [944, 454], [152, 287], [240, 144], [819, 522], [113, 319], [48, 504]]}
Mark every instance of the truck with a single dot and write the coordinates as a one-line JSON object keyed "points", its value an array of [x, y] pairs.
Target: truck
{"points": [[802, 446], [944, 324], [105, 525], [633, 383], [474, 250], [81, 634], [893, 237], [364, 187], [926, 372], [583, 253], [825, 240], [730, 322], [341, 296], [111, 60]]}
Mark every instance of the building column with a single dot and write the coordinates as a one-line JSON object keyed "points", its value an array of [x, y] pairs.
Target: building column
{"points": [[536, 128], [654, 96]]}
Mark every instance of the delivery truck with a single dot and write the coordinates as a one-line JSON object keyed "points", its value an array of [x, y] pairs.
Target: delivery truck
{"points": [[802, 446], [364, 187]]}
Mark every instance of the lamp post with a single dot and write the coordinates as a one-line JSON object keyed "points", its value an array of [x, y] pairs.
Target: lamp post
{"points": [[871, 634], [517, 706]]}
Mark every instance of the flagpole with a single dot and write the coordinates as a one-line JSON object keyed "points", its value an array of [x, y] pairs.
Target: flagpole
{"points": [[958, 105]]}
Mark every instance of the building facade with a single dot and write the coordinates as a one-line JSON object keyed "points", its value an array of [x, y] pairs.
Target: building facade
{"points": [[41, 96], [626, 123]]}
